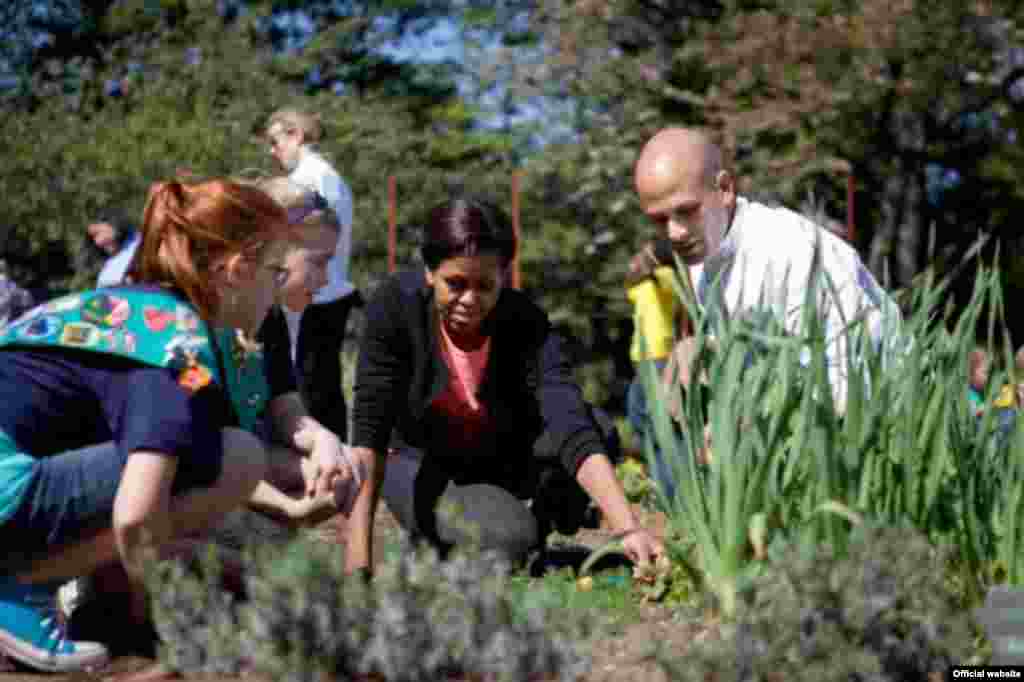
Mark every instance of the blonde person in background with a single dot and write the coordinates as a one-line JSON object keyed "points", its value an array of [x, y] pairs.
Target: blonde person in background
{"points": [[292, 135], [289, 492]]}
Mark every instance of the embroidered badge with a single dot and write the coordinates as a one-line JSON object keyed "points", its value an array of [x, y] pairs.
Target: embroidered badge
{"points": [[108, 339], [184, 342], [156, 319], [106, 310], [187, 320], [80, 334], [194, 377], [40, 327]]}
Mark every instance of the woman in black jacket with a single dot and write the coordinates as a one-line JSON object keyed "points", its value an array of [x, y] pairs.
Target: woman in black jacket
{"points": [[468, 375]]}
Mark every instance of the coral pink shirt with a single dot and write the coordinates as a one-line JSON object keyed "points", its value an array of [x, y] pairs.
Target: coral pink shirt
{"points": [[458, 403]]}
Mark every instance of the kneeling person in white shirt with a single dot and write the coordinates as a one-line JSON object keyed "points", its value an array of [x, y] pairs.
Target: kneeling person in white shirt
{"points": [[757, 256]]}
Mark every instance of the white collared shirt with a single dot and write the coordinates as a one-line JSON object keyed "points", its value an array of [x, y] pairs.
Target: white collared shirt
{"points": [[766, 262], [315, 173]]}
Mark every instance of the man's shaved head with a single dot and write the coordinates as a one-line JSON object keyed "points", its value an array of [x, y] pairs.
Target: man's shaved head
{"points": [[683, 185], [675, 152]]}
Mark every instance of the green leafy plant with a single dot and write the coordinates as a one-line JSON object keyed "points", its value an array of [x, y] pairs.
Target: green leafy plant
{"points": [[904, 450], [419, 619], [877, 611]]}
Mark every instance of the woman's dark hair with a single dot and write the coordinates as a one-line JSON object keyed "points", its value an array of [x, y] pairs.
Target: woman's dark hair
{"points": [[467, 227], [123, 226]]}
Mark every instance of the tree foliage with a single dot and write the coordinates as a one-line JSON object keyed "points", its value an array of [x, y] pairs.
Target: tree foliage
{"points": [[920, 101], [189, 87]]}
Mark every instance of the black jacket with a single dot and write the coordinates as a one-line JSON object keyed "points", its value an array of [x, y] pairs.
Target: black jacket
{"points": [[528, 386]]}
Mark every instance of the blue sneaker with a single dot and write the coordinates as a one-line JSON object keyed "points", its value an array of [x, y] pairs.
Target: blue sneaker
{"points": [[32, 631]]}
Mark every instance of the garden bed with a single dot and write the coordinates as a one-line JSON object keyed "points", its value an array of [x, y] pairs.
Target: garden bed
{"points": [[619, 656]]}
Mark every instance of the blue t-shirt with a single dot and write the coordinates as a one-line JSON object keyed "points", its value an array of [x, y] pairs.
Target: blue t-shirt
{"points": [[55, 400]]}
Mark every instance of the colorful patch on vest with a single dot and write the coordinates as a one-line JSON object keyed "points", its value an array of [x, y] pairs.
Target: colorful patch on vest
{"points": [[106, 310], [118, 340], [189, 343], [157, 319], [40, 327], [194, 377], [63, 305], [108, 339], [80, 334], [187, 319]]}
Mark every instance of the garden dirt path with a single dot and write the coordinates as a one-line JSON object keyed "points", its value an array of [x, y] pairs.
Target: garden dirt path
{"points": [[619, 657]]}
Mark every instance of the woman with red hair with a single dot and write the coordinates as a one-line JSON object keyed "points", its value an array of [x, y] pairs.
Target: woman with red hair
{"points": [[125, 413]]}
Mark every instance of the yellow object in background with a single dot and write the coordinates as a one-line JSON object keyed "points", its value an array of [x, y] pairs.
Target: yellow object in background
{"points": [[655, 305], [1007, 396]]}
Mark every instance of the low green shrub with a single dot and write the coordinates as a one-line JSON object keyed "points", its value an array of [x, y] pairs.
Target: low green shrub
{"points": [[420, 618], [878, 612]]}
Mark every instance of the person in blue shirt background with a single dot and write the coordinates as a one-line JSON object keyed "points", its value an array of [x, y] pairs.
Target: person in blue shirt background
{"points": [[125, 413]]}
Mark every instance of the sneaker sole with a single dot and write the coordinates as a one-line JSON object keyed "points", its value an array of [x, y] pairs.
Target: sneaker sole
{"points": [[26, 654]]}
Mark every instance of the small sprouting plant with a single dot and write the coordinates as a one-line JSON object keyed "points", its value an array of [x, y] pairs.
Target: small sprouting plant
{"points": [[636, 482]]}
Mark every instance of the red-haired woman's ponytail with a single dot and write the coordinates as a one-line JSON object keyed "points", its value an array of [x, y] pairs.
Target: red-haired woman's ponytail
{"points": [[187, 226]]}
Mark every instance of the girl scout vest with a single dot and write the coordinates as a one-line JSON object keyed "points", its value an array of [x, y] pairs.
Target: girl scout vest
{"points": [[155, 328]]}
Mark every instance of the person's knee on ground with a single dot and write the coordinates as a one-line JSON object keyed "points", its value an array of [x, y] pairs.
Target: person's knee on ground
{"points": [[433, 510], [488, 516]]}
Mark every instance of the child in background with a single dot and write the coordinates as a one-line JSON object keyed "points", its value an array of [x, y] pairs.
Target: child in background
{"points": [[305, 258], [979, 366], [1010, 398]]}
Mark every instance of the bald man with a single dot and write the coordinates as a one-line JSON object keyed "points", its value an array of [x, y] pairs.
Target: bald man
{"points": [[751, 257]]}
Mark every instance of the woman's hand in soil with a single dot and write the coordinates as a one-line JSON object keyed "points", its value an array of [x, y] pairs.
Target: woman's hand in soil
{"points": [[642, 547]]}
